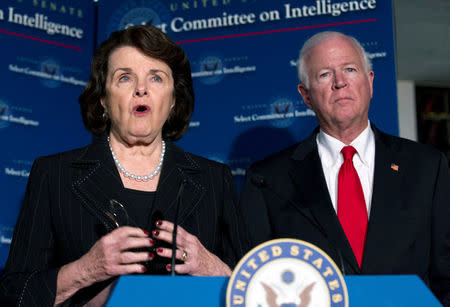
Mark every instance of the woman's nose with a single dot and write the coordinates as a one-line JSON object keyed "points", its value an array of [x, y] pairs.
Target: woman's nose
{"points": [[140, 92]]}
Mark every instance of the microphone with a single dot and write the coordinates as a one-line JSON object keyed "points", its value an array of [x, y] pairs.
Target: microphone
{"points": [[175, 225], [261, 182]]}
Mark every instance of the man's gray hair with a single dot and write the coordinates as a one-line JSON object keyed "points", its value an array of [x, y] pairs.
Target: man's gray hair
{"points": [[320, 38]]}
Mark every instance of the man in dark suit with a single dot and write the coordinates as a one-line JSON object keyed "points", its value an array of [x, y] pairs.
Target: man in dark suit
{"points": [[377, 204]]}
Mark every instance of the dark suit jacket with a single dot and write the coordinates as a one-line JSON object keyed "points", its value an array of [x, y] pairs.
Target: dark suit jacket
{"points": [[63, 215], [286, 196]]}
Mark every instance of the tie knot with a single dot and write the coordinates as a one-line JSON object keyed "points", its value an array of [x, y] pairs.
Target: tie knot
{"points": [[348, 152]]}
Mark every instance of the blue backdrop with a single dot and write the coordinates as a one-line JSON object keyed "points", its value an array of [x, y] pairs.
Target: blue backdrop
{"points": [[43, 73], [243, 56]]}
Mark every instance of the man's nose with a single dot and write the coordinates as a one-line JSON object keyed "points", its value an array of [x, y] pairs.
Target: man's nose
{"points": [[339, 81]]}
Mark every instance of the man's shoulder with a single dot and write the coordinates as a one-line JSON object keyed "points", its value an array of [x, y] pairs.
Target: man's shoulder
{"points": [[407, 147]]}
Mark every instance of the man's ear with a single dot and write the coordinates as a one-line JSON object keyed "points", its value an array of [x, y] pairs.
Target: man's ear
{"points": [[371, 76], [304, 92]]}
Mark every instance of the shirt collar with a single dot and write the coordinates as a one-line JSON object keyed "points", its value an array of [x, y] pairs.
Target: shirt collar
{"points": [[362, 144], [330, 147]]}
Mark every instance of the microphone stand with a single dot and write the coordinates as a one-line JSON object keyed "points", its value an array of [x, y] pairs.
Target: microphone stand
{"points": [[175, 226]]}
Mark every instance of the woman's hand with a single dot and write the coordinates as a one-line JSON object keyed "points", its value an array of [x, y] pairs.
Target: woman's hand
{"points": [[111, 256], [197, 259], [108, 257]]}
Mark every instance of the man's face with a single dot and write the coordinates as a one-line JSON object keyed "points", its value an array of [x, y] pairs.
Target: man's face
{"points": [[339, 87]]}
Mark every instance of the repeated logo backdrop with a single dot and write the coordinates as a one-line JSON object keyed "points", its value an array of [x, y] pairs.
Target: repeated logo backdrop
{"points": [[243, 55], [45, 63]]}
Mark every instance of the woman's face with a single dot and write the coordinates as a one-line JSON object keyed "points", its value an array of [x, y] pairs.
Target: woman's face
{"points": [[139, 95]]}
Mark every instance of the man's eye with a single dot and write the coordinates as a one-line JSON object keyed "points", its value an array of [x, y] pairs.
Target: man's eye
{"points": [[350, 69], [325, 74]]}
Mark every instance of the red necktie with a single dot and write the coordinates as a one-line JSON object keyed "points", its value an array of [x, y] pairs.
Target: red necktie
{"points": [[351, 207]]}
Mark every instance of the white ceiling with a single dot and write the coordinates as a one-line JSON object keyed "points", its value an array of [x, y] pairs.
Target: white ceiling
{"points": [[423, 41]]}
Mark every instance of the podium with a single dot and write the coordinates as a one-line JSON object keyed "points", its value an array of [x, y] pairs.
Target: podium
{"points": [[190, 291]]}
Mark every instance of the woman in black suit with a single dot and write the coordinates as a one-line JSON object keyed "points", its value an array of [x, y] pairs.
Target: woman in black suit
{"points": [[108, 209]]}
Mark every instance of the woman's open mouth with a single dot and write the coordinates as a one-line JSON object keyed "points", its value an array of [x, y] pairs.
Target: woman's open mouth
{"points": [[141, 109]]}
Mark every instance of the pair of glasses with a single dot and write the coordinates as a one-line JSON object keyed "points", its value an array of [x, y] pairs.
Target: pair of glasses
{"points": [[118, 214]]}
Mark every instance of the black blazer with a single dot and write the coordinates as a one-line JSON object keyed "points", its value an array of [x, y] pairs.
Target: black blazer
{"points": [[286, 196], [63, 215]]}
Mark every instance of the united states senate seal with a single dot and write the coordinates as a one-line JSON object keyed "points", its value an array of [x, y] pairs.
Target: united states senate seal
{"points": [[286, 273]]}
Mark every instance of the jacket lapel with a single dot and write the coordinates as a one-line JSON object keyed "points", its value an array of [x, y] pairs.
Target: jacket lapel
{"points": [[313, 197], [178, 169], [386, 204], [96, 181]]}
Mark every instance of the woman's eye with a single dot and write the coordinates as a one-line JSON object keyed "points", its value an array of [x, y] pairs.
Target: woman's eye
{"points": [[156, 78], [124, 78]]}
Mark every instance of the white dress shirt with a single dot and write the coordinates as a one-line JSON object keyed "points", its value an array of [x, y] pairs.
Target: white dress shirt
{"points": [[363, 160]]}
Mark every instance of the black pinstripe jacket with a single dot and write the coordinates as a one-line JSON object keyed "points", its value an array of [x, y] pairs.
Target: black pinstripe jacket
{"points": [[63, 215]]}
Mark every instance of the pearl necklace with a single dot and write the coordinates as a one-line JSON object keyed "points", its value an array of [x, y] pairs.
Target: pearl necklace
{"points": [[133, 176]]}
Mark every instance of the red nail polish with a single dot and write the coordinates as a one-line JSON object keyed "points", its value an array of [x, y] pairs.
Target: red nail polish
{"points": [[143, 269], [159, 250], [169, 267], [146, 232], [152, 241], [151, 256], [155, 233], [158, 223]]}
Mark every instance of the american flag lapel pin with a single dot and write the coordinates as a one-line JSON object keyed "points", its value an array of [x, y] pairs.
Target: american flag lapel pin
{"points": [[394, 167]]}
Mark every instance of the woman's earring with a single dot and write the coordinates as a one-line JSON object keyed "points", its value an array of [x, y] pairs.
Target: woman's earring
{"points": [[105, 116]]}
